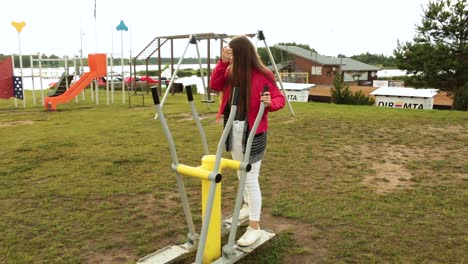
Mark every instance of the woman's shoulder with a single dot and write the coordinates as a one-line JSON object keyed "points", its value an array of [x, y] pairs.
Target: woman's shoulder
{"points": [[267, 74]]}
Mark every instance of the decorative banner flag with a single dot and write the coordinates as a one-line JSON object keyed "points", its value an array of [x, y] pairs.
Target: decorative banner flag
{"points": [[18, 25], [18, 87], [6, 78], [122, 26]]}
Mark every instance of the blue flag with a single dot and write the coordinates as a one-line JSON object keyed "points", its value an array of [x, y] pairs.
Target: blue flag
{"points": [[18, 87]]}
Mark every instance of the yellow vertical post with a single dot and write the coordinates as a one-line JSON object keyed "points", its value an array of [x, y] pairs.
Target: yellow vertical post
{"points": [[213, 240]]}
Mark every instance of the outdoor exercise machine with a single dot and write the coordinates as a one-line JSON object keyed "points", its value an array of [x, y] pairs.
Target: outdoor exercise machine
{"points": [[210, 172]]}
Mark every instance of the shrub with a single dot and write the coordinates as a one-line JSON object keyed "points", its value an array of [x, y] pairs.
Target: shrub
{"points": [[150, 73], [185, 72], [359, 98], [341, 94], [205, 72]]}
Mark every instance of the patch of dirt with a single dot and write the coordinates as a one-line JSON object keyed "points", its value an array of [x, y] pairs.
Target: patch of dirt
{"points": [[303, 234], [188, 116], [390, 171], [389, 177], [121, 255], [154, 209], [16, 123]]}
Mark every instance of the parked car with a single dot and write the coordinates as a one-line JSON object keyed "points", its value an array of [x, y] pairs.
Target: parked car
{"points": [[154, 79]]}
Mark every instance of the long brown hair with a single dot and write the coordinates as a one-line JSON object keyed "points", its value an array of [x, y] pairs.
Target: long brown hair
{"points": [[245, 60]]}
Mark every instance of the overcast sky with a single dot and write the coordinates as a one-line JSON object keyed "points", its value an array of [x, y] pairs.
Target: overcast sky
{"points": [[332, 27]]}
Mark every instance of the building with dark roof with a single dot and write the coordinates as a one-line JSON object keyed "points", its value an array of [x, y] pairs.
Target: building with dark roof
{"points": [[323, 69]]}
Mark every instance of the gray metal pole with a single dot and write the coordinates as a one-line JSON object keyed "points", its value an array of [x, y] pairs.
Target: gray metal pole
{"points": [[107, 81], [13, 66], [197, 119], [65, 60], [209, 205], [168, 87], [261, 36], [32, 78], [230, 248], [96, 84], [180, 182], [21, 67], [75, 74], [112, 79], [202, 75], [227, 129], [40, 79], [122, 62]]}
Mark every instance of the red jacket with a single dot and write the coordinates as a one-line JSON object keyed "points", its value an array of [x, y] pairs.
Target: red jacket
{"points": [[259, 80]]}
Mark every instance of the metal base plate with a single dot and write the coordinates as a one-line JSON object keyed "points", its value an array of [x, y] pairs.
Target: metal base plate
{"points": [[241, 252], [172, 253], [227, 223], [166, 255]]}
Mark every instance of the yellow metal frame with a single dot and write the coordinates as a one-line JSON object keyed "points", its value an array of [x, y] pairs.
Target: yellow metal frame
{"points": [[213, 245]]}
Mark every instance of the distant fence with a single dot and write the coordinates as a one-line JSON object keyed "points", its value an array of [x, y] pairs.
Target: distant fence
{"points": [[295, 77], [383, 83]]}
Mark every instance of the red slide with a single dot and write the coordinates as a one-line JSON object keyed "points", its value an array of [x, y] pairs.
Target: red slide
{"points": [[50, 103], [98, 68]]}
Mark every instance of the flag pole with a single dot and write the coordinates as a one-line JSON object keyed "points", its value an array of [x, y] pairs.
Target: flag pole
{"points": [[19, 27], [21, 67], [112, 67], [122, 62], [121, 27]]}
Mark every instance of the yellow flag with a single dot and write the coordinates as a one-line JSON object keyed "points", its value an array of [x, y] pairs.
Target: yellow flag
{"points": [[18, 25]]}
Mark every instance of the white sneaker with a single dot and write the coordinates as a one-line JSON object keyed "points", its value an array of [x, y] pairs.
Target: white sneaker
{"points": [[250, 237], [244, 212]]}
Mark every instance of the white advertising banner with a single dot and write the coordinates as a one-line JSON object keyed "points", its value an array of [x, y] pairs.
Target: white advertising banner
{"points": [[297, 92], [404, 102], [298, 95]]}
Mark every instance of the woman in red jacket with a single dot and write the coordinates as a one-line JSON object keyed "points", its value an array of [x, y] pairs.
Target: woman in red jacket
{"points": [[241, 67]]}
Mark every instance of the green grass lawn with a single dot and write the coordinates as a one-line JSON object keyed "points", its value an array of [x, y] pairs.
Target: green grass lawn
{"points": [[348, 184]]}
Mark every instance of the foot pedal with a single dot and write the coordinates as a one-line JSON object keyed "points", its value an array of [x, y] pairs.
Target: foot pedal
{"points": [[227, 223], [241, 252], [166, 255], [266, 235]]}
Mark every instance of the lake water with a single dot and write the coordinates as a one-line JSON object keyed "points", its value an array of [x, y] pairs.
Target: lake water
{"points": [[32, 80], [52, 75]]}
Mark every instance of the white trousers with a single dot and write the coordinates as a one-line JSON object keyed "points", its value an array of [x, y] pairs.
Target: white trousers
{"points": [[252, 194]]}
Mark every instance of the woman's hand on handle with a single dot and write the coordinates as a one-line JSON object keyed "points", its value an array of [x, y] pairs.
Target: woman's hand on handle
{"points": [[266, 99]]}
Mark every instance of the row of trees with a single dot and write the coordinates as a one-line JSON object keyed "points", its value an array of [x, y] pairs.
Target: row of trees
{"points": [[58, 63], [27, 61], [378, 60]]}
